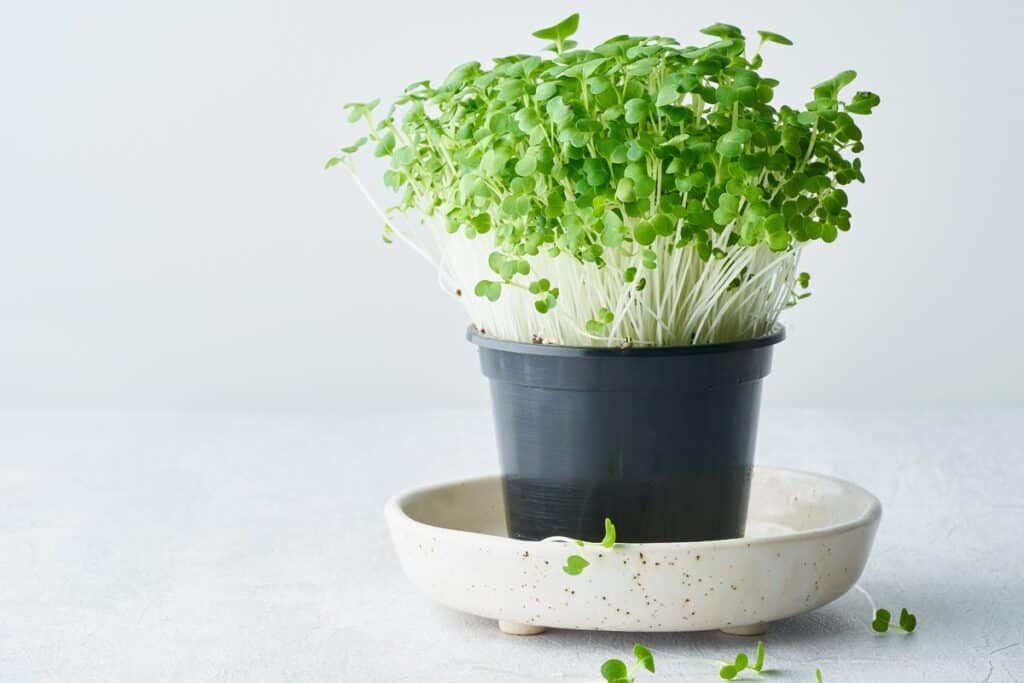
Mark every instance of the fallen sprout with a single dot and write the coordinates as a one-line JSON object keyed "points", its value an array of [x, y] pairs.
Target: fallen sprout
{"points": [[730, 671], [883, 620], [616, 671], [575, 564]]}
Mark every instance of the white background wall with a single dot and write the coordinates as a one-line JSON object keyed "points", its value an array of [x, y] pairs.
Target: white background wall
{"points": [[168, 239]]}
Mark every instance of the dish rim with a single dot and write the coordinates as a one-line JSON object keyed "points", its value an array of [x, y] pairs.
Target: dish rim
{"points": [[394, 510]]}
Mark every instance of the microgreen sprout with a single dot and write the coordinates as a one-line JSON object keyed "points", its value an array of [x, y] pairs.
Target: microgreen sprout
{"points": [[730, 670], [575, 564], [883, 620], [638, 192], [616, 671], [817, 675]]}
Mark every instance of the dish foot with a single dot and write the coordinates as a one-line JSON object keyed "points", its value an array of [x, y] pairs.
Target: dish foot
{"points": [[514, 628], [751, 630]]}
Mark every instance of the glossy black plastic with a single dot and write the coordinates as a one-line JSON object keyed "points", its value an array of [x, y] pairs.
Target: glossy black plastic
{"points": [[660, 440]]}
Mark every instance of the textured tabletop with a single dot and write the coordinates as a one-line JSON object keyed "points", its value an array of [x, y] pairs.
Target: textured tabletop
{"points": [[217, 547]]}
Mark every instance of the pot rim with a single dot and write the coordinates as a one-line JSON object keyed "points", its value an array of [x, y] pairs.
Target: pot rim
{"points": [[774, 336]]}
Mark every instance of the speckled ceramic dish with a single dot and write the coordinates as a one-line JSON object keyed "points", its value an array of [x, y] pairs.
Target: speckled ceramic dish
{"points": [[808, 539]]}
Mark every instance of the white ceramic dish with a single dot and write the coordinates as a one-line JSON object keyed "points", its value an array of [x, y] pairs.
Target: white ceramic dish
{"points": [[808, 539]]}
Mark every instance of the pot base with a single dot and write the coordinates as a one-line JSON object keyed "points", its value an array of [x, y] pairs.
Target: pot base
{"points": [[808, 539], [513, 628], [752, 630]]}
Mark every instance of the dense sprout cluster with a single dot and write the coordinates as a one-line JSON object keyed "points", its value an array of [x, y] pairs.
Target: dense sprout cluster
{"points": [[637, 192]]}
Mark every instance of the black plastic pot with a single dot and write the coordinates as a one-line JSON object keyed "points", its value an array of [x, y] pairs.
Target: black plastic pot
{"points": [[660, 440]]}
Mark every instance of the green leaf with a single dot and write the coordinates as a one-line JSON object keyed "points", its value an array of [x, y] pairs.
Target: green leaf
{"points": [[358, 110], [722, 31], [769, 37], [807, 117], [667, 95], [333, 161], [624, 191], [385, 145], [728, 209], [779, 241], [612, 234], [908, 622], [650, 259], [574, 565], [560, 31], [725, 95], [511, 90], [481, 223], [545, 91], [630, 274], [635, 110], [663, 225], [759, 660], [644, 657], [731, 144], [728, 672], [863, 103], [830, 89], [817, 675], [614, 671], [558, 110], [354, 146], [526, 166], [741, 662], [538, 286], [488, 289], [597, 172], [881, 622], [493, 162], [609, 529], [527, 120], [644, 233]]}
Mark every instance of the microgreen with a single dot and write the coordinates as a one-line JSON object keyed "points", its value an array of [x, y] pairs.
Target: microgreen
{"points": [[616, 671], [883, 620], [741, 662], [585, 167], [575, 564], [817, 675], [609, 537]]}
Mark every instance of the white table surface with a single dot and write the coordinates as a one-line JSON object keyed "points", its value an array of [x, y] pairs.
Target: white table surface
{"points": [[217, 547]]}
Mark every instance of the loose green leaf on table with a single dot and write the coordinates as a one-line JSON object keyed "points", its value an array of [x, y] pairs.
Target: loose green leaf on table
{"points": [[644, 657], [881, 622], [908, 622]]}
